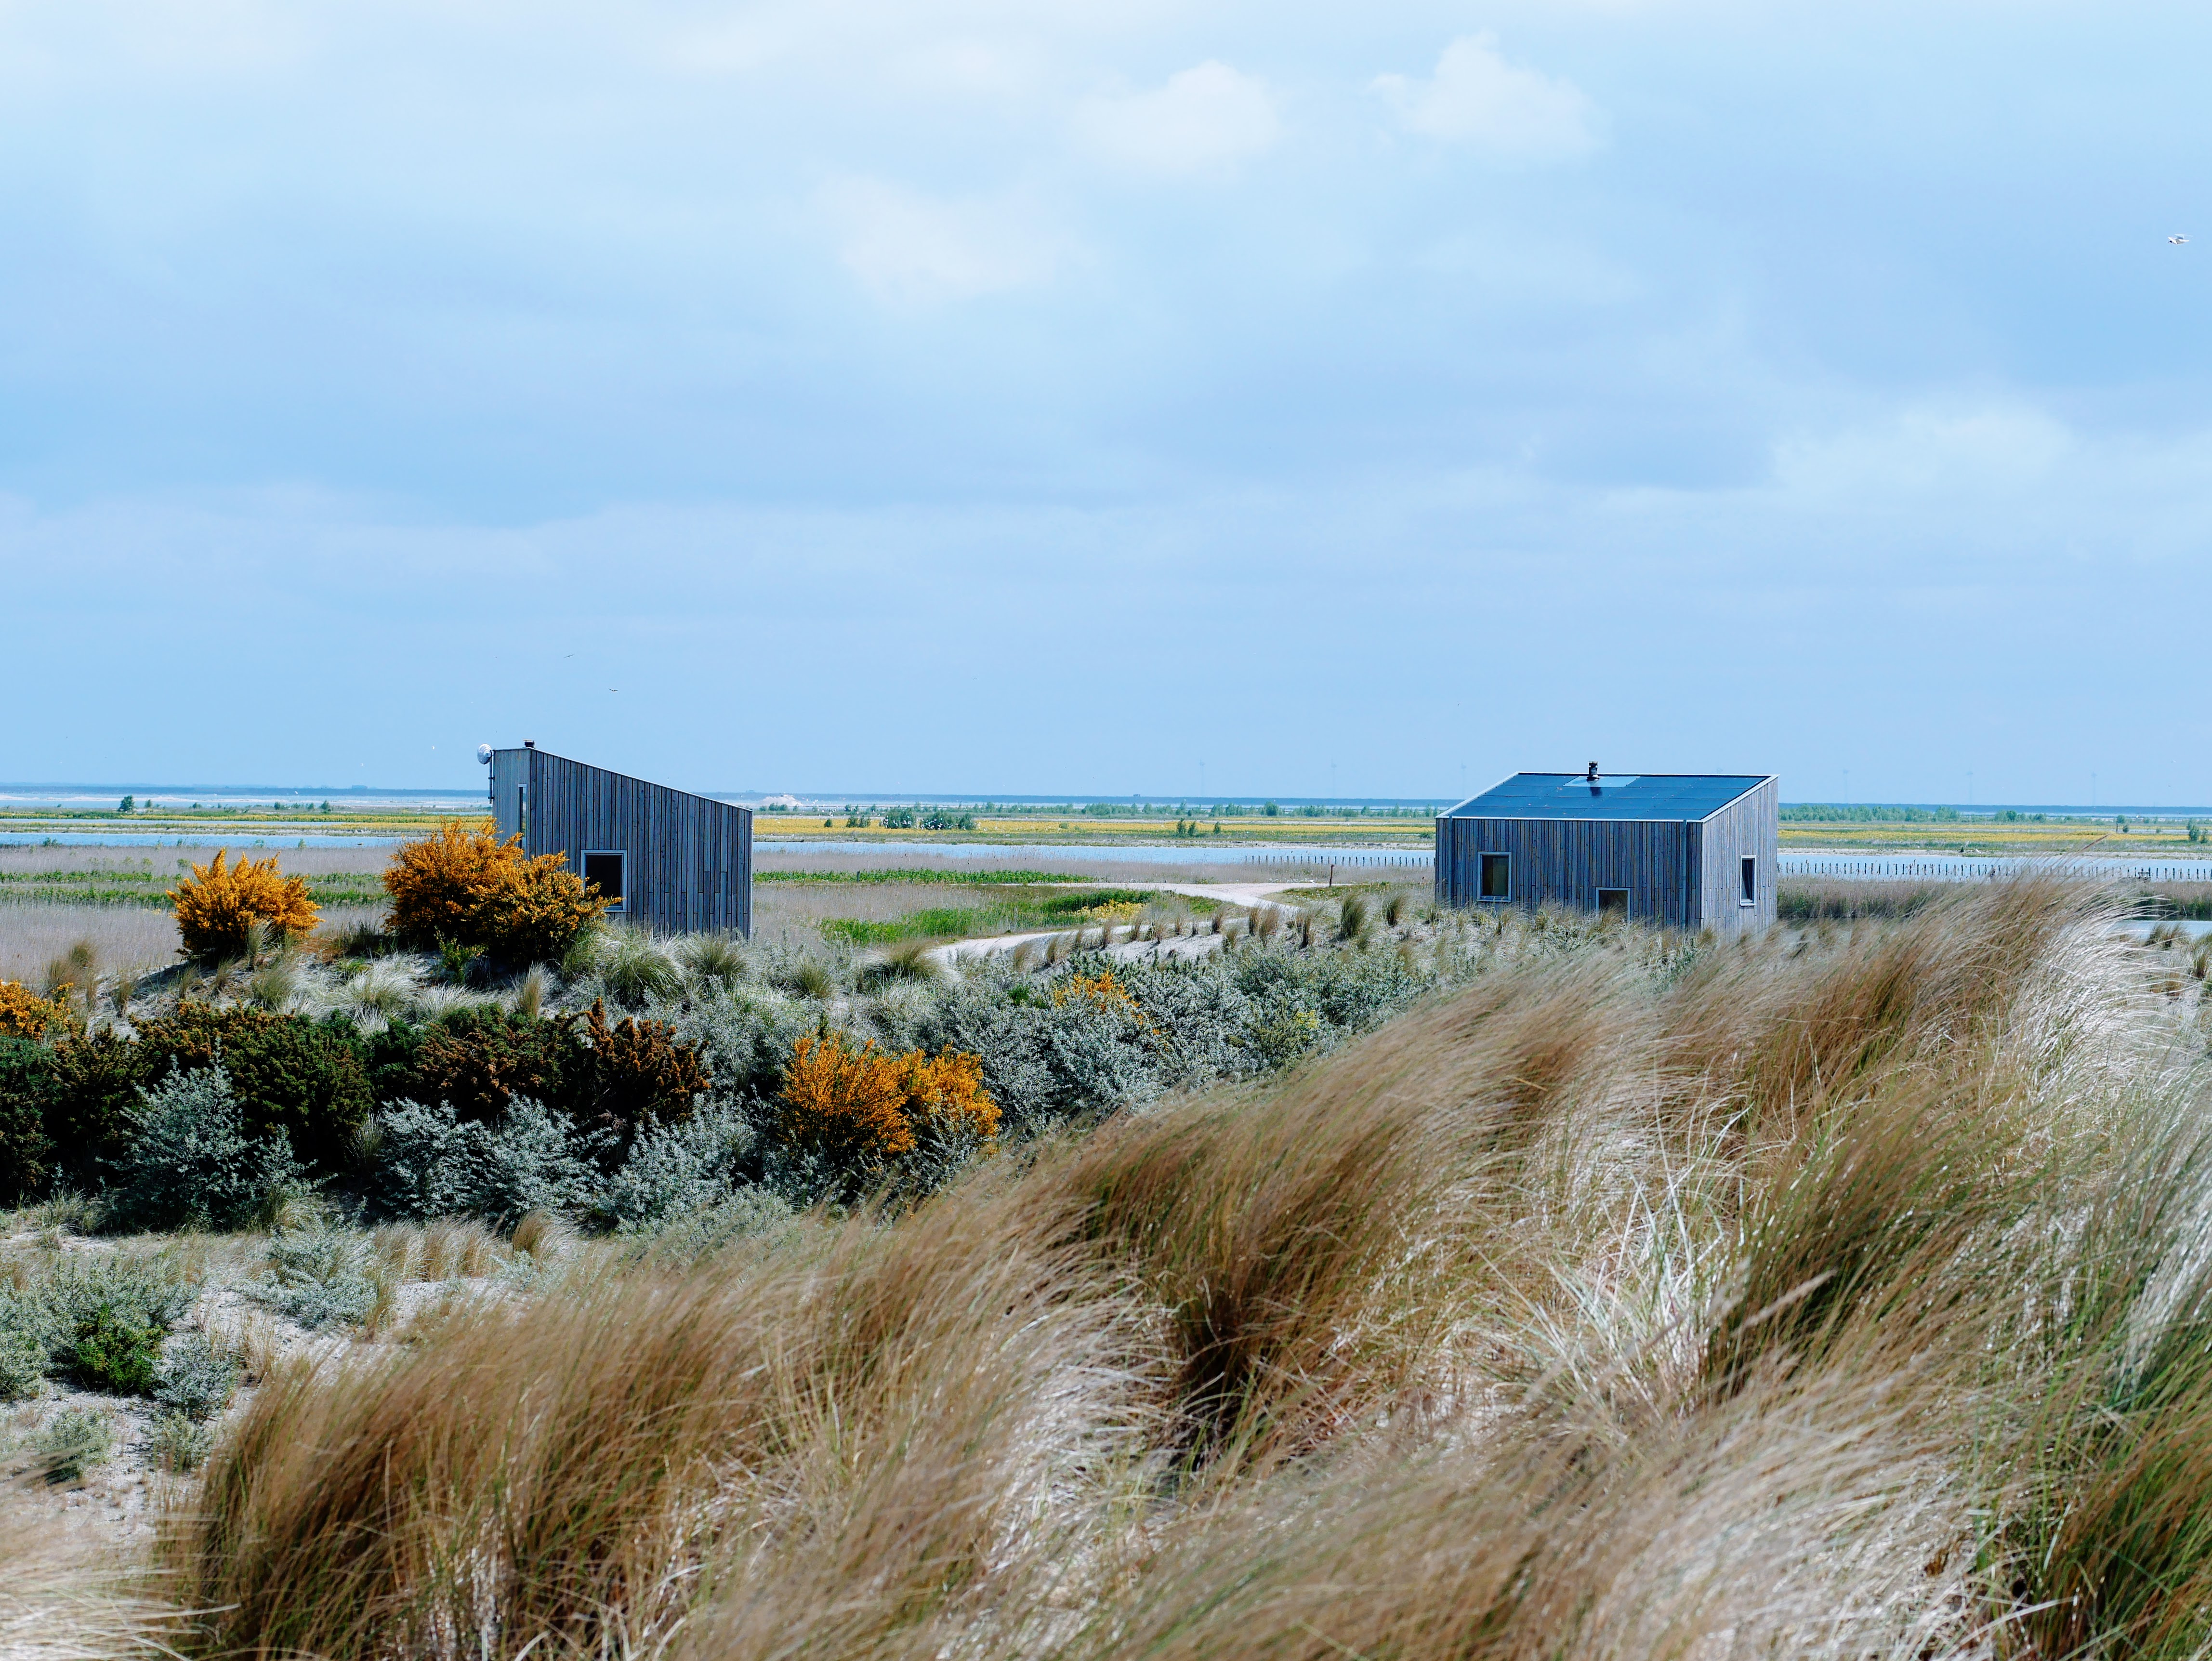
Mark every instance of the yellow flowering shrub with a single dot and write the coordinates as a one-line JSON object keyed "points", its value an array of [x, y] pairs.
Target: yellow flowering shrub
{"points": [[1101, 989], [24, 1014], [1115, 911], [440, 883], [214, 904], [945, 1094], [861, 1108], [465, 885]]}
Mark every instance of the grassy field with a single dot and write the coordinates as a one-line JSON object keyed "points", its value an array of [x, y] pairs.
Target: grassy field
{"points": [[1842, 1294], [115, 901], [2158, 839]]}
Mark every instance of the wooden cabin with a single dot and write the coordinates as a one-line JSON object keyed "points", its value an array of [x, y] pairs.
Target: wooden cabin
{"points": [[671, 860], [1677, 850]]}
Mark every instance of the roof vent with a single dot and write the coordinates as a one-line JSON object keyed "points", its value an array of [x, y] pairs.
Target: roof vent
{"points": [[529, 744], [1590, 777]]}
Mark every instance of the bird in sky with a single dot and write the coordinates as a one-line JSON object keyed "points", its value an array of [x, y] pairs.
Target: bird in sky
{"points": [[2177, 241]]}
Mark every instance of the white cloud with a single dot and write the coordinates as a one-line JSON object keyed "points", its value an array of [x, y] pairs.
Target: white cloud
{"points": [[1997, 450], [1206, 122], [1477, 97], [910, 248]]}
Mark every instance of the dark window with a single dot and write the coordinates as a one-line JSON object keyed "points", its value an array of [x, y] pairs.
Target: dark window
{"points": [[1613, 899], [1750, 881], [605, 873], [1497, 876]]}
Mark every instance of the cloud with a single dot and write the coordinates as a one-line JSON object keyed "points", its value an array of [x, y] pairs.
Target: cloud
{"points": [[1477, 98], [1991, 450], [910, 248], [1206, 122]]}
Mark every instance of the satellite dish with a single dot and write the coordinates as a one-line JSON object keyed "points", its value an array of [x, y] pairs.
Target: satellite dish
{"points": [[483, 754]]}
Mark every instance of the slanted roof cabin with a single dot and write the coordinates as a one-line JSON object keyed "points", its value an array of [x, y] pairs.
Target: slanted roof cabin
{"points": [[674, 862], [1680, 851]]}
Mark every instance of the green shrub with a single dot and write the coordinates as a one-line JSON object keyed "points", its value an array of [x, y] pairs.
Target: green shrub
{"points": [[103, 1318], [91, 1102], [73, 1442], [194, 1162], [26, 1078], [479, 1060], [636, 1073], [114, 1350], [305, 1078]]}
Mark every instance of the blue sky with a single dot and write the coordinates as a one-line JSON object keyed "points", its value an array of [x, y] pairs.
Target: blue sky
{"points": [[987, 397]]}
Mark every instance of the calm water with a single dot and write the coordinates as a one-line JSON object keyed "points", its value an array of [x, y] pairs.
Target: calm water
{"points": [[1162, 854]]}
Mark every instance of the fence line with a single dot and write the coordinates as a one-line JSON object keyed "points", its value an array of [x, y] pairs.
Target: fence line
{"points": [[1866, 868]]}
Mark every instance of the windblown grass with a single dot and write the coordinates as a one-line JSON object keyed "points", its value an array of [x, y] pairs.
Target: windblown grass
{"points": [[1835, 1295]]}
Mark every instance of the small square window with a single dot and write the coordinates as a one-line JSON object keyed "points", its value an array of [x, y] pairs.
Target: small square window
{"points": [[1750, 881], [1613, 900], [1497, 876], [605, 873]]}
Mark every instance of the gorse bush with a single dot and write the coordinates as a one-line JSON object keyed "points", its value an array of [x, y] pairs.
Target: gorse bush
{"points": [[638, 1072], [442, 884], [860, 1110], [24, 1014], [215, 907], [468, 887], [479, 1060], [26, 1088]]}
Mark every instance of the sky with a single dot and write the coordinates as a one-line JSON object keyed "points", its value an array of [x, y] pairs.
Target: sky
{"points": [[1204, 399]]}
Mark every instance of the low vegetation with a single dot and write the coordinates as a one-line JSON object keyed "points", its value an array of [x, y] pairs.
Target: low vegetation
{"points": [[1840, 1294]]}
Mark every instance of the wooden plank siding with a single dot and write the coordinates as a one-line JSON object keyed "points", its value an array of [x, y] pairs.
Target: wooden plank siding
{"points": [[1680, 873], [1749, 825], [689, 864]]}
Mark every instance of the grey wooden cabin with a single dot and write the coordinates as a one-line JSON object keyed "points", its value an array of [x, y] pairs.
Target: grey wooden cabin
{"points": [[1678, 850], [675, 861]]}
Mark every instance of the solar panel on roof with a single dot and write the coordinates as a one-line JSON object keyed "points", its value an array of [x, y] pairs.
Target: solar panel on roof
{"points": [[1614, 796]]}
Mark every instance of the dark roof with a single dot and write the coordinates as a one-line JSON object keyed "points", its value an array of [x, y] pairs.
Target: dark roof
{"points": [[1614, 796]]}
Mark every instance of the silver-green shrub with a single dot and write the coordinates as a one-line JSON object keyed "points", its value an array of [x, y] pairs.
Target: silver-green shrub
{"points": [[73, 1442], [22, 1357], [430, 1164], [192, 1160], [676, 1169], [195, 1377], [318, 1275], [427, 1162]]}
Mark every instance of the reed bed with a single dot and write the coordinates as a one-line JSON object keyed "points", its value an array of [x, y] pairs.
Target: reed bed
{"points": [[1842, 1293]]}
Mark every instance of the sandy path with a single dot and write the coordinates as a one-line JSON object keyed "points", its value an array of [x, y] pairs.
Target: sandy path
{"points": [[1246, 894]]}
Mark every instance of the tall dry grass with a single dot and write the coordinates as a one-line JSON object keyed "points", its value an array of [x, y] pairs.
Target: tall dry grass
{"points": [[1833, 1295]]}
